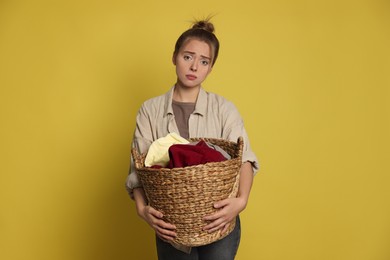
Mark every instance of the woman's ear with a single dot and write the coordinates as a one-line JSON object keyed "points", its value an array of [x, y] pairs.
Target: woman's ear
{"points": [[174, 59]]}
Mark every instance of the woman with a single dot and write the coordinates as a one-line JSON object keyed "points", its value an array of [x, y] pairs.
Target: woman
{"points": [[189, 110]]}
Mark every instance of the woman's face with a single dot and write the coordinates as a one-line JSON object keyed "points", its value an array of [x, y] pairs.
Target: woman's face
{"points": [[193, 63]]}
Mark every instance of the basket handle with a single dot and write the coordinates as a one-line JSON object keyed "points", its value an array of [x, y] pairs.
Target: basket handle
{"points": [[240, 142], [136, 158]]}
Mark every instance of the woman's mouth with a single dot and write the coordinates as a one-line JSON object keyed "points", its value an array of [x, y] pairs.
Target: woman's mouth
{"points": [[191, 77]]}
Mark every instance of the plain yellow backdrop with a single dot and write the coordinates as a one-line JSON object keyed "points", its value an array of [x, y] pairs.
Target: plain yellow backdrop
{"points": [[310, 78]]}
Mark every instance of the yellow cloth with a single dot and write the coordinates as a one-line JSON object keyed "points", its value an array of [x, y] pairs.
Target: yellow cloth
{"points": [[158, 150]]}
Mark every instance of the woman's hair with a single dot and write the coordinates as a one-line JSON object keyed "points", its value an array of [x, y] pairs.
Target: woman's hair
{"points": [[202, 30]]}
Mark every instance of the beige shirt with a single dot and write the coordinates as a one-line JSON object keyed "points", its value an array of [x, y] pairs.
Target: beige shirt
{"points": [[213, 117]]}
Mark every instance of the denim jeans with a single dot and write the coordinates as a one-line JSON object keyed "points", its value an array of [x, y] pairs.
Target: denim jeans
{"points": [[224, 249]]}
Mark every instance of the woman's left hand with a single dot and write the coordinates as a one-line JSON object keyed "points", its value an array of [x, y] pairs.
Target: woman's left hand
{"points": [[228, 210]]}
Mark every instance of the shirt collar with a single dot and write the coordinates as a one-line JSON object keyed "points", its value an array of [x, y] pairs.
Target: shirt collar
{"points": [[201, 102], [200, 106], [168, 102]]}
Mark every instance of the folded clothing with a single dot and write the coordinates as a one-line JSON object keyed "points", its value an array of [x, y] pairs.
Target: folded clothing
{"points": [[158, 150], [182, 155]]}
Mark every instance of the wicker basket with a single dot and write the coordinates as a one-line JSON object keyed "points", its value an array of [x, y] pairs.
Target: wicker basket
{"points": [[186, 195]]}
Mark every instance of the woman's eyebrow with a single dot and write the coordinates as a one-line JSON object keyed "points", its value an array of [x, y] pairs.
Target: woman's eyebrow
{"points": [[193, 53]]}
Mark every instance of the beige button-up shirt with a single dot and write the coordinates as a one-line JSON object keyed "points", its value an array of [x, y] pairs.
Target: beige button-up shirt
{"points": [[214, 117]]}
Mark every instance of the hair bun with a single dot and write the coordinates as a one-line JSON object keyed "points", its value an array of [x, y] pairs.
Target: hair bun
{"points": [[204, 25]]}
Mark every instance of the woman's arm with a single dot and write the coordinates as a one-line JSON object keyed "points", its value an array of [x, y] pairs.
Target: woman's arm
{"points": [[231, 207], [143, 137]]}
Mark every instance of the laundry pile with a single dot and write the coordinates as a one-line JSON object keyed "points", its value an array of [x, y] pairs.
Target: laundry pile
{"points": [[173, 151]]}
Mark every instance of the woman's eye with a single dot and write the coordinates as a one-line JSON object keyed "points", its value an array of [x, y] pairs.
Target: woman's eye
{"points": [[187, 57], [204, 62]]}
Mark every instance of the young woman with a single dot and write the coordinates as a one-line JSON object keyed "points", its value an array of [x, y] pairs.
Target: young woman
{"points": [[190, 111]]}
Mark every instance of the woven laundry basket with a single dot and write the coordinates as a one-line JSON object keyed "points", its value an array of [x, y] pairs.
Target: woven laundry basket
{"points": [[186, 195]]}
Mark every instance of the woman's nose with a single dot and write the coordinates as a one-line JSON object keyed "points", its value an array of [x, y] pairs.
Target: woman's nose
{"points": [[194, 66]]}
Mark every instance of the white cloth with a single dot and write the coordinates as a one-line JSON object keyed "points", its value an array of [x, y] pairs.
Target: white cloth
{"points": [[158, 151]]}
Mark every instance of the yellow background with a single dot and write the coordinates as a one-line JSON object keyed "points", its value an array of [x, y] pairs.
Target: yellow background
{"points": [[310, 78]]}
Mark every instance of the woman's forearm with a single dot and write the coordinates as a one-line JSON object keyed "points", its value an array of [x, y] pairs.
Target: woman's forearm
{"points": [[246, 180], [140, 200]]}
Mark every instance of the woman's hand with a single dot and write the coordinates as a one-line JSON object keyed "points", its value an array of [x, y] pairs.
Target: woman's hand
{"points": [[228, 210], [153, 217]]}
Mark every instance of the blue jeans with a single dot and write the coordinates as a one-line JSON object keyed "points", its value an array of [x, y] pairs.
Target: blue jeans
{"points": [[224, 249]]}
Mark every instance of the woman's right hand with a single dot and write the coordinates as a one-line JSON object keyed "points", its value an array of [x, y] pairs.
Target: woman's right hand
{"points": [[154, 217]]}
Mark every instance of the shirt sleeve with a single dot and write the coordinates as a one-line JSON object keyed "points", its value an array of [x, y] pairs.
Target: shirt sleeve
{"points": [[142, 139], [233, 129]]}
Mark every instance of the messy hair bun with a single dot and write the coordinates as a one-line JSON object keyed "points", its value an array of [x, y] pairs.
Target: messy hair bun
{"points": [[204, 25], [202, 30]]}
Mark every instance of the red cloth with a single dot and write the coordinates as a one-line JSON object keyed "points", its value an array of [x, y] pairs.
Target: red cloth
{"points": [[182, 155]]}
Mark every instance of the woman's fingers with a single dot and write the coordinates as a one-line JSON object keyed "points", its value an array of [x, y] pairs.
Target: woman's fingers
{"points": [[216, 225], [154, 212], [225, 228], [217, 222], [228, 209], [163, 229], [166, 225], [165, 234]]}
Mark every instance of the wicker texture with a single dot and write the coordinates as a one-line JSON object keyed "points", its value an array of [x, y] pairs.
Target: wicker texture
{"points": [[186, 195]]}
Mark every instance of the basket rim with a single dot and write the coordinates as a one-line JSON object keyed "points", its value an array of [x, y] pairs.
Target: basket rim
{"points": [[197, 166], [139, 165]]}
